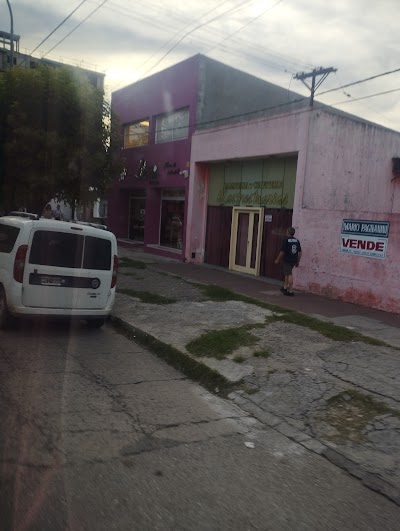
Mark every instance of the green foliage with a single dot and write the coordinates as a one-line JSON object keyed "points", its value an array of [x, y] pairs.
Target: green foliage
{"points": [[146, 296], [129, 262], [56, 138], [220, 343]]}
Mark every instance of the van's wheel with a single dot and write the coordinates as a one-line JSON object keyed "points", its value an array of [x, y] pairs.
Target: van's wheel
{"points": [[4, 315], [95, 323]]}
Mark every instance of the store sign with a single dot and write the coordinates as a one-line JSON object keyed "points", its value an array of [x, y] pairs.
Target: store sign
{"points": [[364, 238]]}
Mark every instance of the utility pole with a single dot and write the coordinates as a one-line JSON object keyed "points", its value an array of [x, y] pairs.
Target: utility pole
{"points": [[324, 72], [11, 35]]}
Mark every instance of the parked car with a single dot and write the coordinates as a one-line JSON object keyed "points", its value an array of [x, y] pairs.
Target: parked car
{"points": [[56, 269]]}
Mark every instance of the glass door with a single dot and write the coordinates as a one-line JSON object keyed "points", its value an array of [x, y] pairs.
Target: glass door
{"points": [[246, 235], [137, 210]]}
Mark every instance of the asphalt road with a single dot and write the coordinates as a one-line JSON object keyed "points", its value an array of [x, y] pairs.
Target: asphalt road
{"points": [[97, 433]]}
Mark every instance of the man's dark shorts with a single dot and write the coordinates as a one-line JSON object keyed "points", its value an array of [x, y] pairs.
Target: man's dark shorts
{"points": [[288, 268]]}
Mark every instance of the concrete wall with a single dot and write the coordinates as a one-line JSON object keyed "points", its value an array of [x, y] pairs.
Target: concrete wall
{"points": [[227, 94], [344, 171], [349, 176]]}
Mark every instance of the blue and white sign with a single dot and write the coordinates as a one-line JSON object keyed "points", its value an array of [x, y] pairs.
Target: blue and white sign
{"points": [[364, 238]]}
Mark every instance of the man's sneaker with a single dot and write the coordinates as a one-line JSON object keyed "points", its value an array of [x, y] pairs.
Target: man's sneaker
{"points": [[288, 293], [283, 289]]}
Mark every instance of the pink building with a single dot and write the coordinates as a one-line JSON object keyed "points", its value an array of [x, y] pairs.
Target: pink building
{"points": [[220, 163], [337, 175], [148, 204]]}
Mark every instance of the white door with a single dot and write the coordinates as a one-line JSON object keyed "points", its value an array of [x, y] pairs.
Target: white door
{"points": [[246, 235]]}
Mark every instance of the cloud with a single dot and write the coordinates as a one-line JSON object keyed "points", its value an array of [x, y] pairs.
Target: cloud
{"points": [[359, 38]]}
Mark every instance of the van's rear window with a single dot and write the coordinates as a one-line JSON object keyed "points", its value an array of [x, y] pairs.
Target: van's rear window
{"points": [[62, 249], [59, 249], [97, 253], [8, 237]]}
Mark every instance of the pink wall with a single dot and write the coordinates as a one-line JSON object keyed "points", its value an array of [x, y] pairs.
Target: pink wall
{"points": [[276, 135], [349, 175], [343, 171]]}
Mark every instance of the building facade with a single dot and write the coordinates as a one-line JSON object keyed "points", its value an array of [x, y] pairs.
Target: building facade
{"points": [[341, 176], [219, 164], [149, 201]]}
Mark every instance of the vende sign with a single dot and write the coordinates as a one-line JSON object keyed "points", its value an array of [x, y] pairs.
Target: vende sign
{"points": [[364, 238]]}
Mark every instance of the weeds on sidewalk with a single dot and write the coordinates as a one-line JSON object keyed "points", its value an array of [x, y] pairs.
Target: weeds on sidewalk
{"points": [[350, 412], [128, 262], [262, 353], [330, 330], [219, 343], [193, 369], [146, 296]]}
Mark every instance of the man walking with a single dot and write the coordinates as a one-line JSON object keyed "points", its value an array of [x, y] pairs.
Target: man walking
{"points": [[291, 254]]}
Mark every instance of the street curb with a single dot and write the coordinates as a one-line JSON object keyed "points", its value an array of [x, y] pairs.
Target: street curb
{"points": [[370, 480], [211, 379]]}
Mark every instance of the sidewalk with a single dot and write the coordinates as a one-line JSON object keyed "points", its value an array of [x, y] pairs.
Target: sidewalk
{"points": [[339, 399], [374, 323]]}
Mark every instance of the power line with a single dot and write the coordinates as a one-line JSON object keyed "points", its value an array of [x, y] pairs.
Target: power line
{"points": [[274, 107], [193, 30], [172, 38], [365, 97], [244, 26], [55, 29], [76, 27], [179, 31], [360, 81]]}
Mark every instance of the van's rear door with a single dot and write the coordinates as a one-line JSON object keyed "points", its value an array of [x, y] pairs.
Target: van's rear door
{"points": [[52, 276], [96, 271]]}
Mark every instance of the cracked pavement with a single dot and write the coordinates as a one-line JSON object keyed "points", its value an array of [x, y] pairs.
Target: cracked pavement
{"points": [[97, 433], [291, 390]]}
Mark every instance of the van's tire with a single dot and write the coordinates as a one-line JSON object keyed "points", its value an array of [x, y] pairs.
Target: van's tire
{"points": [[95, 323], [4, 314]]}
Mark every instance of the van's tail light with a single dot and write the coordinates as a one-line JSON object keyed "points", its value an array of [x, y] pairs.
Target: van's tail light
{"points": [[19, 263], [115, 272]]}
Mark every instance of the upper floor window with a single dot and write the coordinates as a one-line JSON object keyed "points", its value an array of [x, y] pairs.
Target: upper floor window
{"points": [[136, 134], [172, 126]]}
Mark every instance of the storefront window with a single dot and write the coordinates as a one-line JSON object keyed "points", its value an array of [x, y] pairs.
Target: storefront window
{"points": [[172, 221]]}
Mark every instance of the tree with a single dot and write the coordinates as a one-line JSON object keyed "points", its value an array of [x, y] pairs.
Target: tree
{"points": [[56, 138]]}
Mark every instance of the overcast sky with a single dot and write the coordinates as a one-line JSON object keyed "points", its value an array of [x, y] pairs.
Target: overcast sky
{"points": [[270, 39]]}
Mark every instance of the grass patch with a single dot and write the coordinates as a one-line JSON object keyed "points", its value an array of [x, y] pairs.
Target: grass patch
{"points": [[350, 412], [219, 343], [128, 262], [262, 353], [191, 368], [146, 296], [332, 331], [218, 294], [239, 359]]}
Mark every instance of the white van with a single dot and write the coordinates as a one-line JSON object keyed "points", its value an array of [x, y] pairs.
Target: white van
{"points": [[56, 269]]}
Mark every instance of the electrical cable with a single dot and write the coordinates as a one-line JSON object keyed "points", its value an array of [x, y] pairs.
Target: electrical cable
{"points": [[193, 30], [54, 30], [76, 27], [359, 81], [244, 26]]}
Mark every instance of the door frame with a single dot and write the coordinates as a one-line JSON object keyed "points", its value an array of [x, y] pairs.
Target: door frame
{"points": [[234, 232]]}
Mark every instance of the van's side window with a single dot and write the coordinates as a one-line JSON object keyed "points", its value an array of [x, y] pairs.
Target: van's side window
{"points": [[8, 237], [97, 254], [59, 249]]}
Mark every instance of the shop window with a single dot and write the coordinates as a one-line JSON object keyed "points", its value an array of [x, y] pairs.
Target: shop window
{"points": [[172, 219], [136, 134], [172, 126]]}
